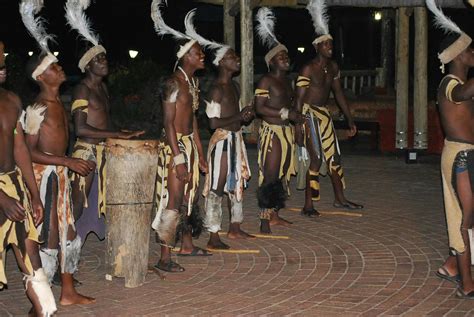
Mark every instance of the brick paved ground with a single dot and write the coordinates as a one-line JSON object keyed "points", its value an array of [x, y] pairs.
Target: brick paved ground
{"points": [[382, 263]]}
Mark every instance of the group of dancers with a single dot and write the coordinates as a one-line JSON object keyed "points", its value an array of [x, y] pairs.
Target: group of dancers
{"points": [[50, 201]]}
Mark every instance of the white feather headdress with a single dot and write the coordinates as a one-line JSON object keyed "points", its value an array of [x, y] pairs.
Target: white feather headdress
{"points": [[448, 26], [77, 19], [265, 27], [441, 21], [265, 32], [162, 28], [220, 49], [35, 26], [318, 11]]}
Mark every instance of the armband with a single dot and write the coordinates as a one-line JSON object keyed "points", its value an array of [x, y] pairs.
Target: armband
{"points": [[284, 112], [213, 109], [453, 83], [262, 93], [302, 82], [179, 159], [81, 105]]}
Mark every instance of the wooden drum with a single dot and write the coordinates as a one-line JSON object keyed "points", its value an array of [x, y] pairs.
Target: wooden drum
{"points": [[131, 172]]}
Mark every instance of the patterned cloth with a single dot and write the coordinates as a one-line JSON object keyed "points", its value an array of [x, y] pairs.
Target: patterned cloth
{"points": [[238, 171], [187, 146], [44, 175], [96, 153], [322, 135], [16, 233], [285, 136], [452, 152]]}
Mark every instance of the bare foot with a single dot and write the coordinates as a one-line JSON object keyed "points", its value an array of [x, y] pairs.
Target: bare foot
{"points": [[215, 242], [218, 245], [75, 299], [276, 220], [239, 235], [265, 226], [346, 204], [236, 233]]}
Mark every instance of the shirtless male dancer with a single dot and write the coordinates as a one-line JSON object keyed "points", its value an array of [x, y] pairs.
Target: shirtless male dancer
{"points": [[18, 215], [273, 103], [47, 136], [229, 168], [456, 106], [315, 81], [92, 124]]}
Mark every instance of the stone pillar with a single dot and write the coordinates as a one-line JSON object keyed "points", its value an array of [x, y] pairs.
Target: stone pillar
{"points": [[403, 34], [420, 102], [229, 24]]}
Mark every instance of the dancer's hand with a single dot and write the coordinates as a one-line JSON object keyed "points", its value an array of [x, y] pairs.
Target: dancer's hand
{"points": [[296, 116], [11, 208], [203, 165], [126, 134], [182, 172], [80, 166], [38, 210], [353, 129], [247, 114]]}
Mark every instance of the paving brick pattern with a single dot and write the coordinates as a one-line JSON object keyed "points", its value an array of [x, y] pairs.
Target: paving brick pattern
{"points": [[382, 263]]}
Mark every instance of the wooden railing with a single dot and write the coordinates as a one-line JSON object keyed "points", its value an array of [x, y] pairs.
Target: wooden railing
{"points": [[359, 81]]}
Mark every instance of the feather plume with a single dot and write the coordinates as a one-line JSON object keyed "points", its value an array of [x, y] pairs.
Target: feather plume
{"points": [[191, 32], [441, 21], [265, 27], [318, 11], [77, 19], [35, 26], [219, 54], [34, 117], [161, 27]]}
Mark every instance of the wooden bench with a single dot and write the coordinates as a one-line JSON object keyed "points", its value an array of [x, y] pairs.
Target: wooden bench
{"points": [[362, 125]]}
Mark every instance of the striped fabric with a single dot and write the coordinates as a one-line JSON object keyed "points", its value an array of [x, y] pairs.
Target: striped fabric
{"points": [[187, 146], [285, 136], [43, 176], [80, 105], [303, 82], [96, 153], [16, 233], [262, 93], [219, 144], [327, 143]]}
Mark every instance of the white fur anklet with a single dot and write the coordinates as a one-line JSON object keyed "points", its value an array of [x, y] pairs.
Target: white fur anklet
{"points": [[39, 284]]}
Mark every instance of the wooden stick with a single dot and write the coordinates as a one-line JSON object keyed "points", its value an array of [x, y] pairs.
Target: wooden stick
{"points": [[235, 251], [269, 236], [331, 213]]}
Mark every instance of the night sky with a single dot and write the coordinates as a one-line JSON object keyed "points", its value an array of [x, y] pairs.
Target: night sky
{"points": [[124, 25]]}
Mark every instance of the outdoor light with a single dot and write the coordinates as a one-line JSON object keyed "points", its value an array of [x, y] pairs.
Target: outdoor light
{"points": [[5, 54], [301, 49], [55, 53], [132, 53], [30, 53], [378, 16]]}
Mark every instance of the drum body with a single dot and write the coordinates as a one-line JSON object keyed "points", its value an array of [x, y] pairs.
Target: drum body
{"points": [[131, 174]]}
